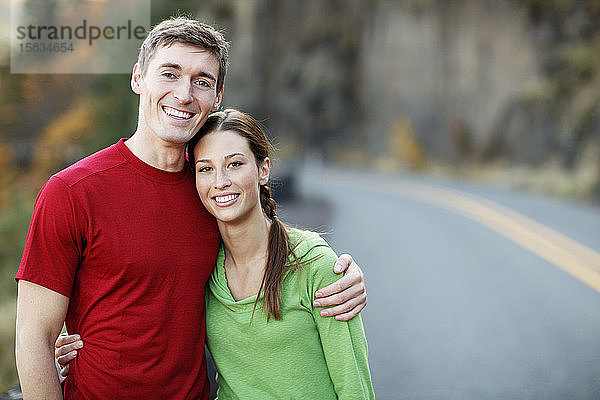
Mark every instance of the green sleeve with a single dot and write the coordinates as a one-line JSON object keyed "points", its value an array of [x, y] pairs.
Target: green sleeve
{"points": [[344, 343]]}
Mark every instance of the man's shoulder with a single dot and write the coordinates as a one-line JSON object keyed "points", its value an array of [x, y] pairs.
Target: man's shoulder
{"points": [[101, 161]]}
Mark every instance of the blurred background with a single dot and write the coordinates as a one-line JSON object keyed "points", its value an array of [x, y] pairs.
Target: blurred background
{"points": [[504, 94]]}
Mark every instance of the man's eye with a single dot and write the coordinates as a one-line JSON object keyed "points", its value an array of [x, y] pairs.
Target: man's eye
{"points": [[168, 75], [202, 83], [235, 164], [204, 169]]}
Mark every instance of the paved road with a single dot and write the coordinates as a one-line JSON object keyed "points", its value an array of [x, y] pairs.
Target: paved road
{"points": [[468, 299]]}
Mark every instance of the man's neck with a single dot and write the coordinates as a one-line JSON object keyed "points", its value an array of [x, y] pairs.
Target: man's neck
{"points": [[164, 156]]}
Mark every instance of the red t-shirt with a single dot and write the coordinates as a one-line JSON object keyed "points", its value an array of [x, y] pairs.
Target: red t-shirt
{"points": [[132, 247]]}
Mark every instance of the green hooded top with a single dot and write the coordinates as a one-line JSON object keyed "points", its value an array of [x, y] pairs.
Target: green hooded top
{"points": [[300, 356]]}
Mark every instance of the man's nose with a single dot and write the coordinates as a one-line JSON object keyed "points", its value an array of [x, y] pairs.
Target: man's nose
{"points": [[183, 92]]}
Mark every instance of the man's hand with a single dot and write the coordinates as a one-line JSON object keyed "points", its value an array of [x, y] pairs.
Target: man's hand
{"points": [[348, 294], [65, 351]]}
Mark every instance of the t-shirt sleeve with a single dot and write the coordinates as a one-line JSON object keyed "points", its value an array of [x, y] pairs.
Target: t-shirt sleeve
{"points": [[54, 243], [344, 343]]}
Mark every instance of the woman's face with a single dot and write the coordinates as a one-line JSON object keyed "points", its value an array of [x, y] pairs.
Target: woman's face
{"points": [[227, 177]]}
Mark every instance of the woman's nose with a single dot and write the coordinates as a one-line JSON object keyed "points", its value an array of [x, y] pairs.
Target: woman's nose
{"points": [[222, 180]]}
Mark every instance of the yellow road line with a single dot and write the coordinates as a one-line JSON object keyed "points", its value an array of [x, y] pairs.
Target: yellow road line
{"points": [[574, 258]]}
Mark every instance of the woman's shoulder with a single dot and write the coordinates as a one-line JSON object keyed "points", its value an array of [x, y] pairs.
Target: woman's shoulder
{"points": [[304, 242], [311, 250]]}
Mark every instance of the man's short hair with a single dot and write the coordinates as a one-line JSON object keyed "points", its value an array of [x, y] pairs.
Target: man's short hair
{"points": [[186, 31]]}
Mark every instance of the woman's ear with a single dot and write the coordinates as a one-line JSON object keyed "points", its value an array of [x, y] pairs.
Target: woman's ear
{"points": [[136, 79], [264, 171]]}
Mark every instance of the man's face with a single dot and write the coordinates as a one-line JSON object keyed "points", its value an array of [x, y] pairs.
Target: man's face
{"points": [[177, 92]]}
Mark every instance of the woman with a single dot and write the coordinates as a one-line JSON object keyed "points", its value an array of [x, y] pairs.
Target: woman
{"points": [[262, 289]]}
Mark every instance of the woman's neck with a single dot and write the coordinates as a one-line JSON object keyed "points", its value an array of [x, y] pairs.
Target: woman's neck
{"points": [[246, 242]]}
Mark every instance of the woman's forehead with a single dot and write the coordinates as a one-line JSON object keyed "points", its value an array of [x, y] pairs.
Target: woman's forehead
{"points": [[223, 142]]}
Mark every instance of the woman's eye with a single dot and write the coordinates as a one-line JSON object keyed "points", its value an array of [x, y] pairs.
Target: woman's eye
{"points": [[204, 169], [168, 75]]}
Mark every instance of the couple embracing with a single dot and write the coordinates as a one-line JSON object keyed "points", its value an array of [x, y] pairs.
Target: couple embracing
{"points": [[147, 253]]}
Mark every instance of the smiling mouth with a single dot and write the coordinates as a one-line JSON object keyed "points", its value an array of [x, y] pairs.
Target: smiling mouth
{"points": [[177, 114], [221, 200]]}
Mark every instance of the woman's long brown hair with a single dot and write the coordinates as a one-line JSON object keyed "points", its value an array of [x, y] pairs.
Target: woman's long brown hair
{"points": [[279, 247]]}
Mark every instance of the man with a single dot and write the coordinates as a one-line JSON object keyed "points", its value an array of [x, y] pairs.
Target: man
{"points": [[120, 247]]}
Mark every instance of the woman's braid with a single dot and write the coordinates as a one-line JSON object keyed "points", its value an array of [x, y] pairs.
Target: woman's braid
{"points": [[267, 203]]}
